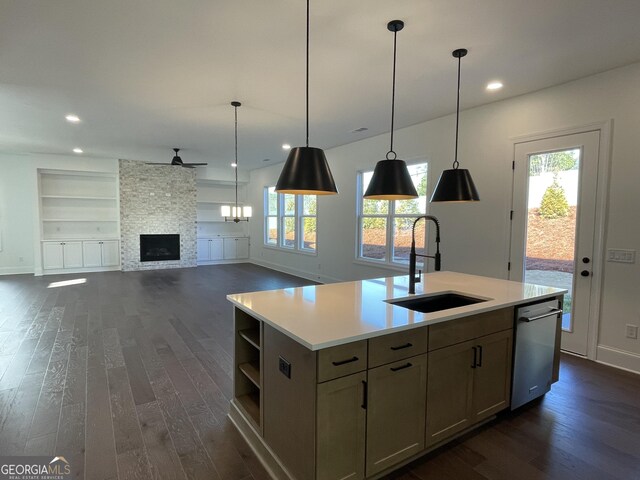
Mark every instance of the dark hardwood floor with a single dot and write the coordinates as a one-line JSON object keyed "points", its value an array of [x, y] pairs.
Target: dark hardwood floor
{"points": [[129, 376]]}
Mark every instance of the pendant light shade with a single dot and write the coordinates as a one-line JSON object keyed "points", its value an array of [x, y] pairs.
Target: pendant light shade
{"points": [[391, 179], [456, 184], [306, 171]]}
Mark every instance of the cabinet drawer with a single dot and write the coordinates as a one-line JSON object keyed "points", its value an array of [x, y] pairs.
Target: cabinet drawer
{"points": [[457, 331], [342, 360], [396, 346]]}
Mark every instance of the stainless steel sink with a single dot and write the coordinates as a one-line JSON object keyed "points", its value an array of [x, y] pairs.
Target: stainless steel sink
{"points": [[436, 303]]}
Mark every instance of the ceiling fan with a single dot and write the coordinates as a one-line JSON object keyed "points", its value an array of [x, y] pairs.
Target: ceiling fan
{"points": [[177, 161]]}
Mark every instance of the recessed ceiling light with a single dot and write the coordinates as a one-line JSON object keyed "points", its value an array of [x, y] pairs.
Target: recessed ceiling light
{"points": [[71, 118], [234, 165], [286, 146], [358, 130], [266, 160], [494, 85], [77, 150]]}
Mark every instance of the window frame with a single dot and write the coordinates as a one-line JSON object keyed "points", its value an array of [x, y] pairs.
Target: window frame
{"points": [[298, 222], [390, 218]]}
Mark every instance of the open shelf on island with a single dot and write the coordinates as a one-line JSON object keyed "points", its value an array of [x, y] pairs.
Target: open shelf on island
{"points": [[250, 403], [251, 370], [251, 335]]}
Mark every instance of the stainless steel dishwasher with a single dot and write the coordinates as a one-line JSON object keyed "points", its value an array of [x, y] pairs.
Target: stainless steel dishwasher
{"points": [[535, 335]]}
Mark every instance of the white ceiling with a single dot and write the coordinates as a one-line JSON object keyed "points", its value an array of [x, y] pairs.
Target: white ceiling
{"points": [[148, 75]]}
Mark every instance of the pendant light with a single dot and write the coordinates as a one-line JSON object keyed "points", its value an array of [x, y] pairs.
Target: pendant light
{"points": [[235, 213], [306, 171], [456, 184], [391, 179]]}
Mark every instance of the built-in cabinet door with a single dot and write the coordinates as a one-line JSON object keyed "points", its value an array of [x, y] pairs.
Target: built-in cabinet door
{"points": [[92, 252], [341, 428], [203, 249], [52, 255], [242, 247], [216, 250], [72, 252], [396, 405], [110, 253], [449, 391], [230, 248], [492, 375]]}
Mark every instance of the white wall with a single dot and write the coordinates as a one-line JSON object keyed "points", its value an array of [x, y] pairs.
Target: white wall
{"points": [[475, 235]]}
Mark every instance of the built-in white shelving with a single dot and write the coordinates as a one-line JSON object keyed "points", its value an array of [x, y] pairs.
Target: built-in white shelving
{"points": [[78, 207]]}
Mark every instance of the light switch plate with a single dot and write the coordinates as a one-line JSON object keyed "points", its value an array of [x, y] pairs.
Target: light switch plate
{"points": [[632, 331], [621, 256]]}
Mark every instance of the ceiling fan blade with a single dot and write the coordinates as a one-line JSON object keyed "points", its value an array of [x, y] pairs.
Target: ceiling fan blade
{"points": [[194, 164]]}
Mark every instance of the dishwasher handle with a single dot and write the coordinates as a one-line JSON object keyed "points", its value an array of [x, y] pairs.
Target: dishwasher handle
{"points": [[555, 311]]}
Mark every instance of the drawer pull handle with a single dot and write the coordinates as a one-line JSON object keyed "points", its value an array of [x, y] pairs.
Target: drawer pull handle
{"points": [[402, 367], [342, 362], [406, 345]]}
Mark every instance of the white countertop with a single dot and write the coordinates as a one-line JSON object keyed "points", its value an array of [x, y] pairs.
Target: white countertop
{"points": [[321, 316]]}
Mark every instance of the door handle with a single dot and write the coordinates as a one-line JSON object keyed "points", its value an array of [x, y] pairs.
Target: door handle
{"points": [[365, 395], [475, 357], [585, 273], [479, 355]]}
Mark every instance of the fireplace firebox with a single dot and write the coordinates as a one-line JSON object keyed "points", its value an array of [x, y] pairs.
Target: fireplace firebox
{"points": [[159, 248]]}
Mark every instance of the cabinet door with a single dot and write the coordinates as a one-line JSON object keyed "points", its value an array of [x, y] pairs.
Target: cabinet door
{"points": [[110, 253], [230, 250], [396, 412], [72, 254], [92, 253], [203, 249], [492, 376], [341, 428], [449, 390], [216, 250], [52, 256], [242, 247]]}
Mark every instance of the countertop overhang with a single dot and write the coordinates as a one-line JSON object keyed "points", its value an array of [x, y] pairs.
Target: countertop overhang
{"points": [[321, 316]]}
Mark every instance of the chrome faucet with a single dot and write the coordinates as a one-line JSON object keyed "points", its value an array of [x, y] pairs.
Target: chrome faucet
{"points": [[413, 278]]}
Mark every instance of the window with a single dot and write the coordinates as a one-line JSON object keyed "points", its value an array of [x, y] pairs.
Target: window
{"points": [[384, 227], [290, 221]]}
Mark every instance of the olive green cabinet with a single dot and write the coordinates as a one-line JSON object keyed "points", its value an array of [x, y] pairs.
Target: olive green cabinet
{"points": [[467, 383], [341, 418], [395, 412]]}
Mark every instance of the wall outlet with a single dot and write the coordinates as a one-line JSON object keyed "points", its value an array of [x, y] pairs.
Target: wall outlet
{"points": [[621, 256], [632, 331], [284, 367]]}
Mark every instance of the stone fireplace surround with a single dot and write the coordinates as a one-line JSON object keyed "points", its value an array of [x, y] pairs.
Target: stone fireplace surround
{"points": [[156, 199]]}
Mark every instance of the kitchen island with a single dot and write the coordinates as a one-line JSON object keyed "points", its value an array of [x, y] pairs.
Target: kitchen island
{"points": [[338, 381]]}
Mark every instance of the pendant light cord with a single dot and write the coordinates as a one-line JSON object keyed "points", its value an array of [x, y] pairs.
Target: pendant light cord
{"points": [[236, 139], [307, 92], [456, 164], [393, 97]]}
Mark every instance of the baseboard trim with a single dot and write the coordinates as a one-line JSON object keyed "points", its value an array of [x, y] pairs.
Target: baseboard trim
{"points": [[15, 270], [268, 459], [295, 271], [617, 358]]}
